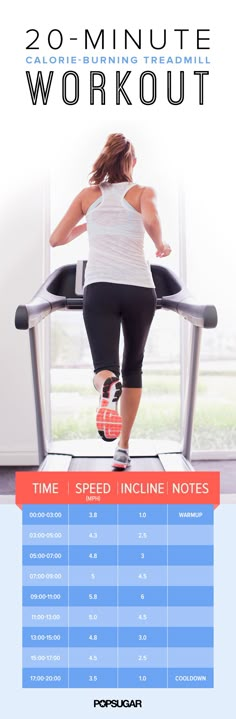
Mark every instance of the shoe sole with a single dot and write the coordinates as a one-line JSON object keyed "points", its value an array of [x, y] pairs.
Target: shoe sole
{"points": [[108, 421], [119, 465]]}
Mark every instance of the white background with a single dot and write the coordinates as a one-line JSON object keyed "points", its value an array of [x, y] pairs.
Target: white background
{"points": [[189, 142]]}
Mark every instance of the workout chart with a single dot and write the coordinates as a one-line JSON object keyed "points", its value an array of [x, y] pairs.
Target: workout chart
{"points": [[117, 579]]}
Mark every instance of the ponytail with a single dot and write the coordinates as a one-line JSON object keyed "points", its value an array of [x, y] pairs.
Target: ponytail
{"points": [[115, 162]]}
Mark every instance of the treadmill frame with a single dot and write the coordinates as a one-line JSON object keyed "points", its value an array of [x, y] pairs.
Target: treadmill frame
{"points": [[45, 301]]}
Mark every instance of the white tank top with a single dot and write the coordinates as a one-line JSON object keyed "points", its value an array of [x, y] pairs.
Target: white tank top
{"points": [[116, 240]]}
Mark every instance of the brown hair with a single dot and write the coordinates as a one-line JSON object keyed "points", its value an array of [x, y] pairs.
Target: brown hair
{"points": [[114, 163]]}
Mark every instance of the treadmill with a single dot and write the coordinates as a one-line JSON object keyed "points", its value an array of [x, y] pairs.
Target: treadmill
{"points": [[63, 290]]}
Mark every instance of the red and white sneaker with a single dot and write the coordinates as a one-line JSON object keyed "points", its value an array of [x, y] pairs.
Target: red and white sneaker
{"points": [[108, 421], [121, 459]]}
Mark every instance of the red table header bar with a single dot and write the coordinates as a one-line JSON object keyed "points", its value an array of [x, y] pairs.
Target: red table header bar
{"points": [[117, 488]]}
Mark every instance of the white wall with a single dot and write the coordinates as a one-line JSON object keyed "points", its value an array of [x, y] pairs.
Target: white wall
{"points": [[21, 272]]}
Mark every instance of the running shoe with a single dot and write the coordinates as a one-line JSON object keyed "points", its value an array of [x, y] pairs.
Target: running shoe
{"points": [[121, 459], [108, 421]]}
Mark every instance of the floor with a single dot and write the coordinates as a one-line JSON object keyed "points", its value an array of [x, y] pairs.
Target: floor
{"points": [[227, 469], [7, 478]]}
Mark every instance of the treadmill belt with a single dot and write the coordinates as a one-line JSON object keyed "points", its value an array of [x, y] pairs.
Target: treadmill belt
{"points": [[103, 464]]}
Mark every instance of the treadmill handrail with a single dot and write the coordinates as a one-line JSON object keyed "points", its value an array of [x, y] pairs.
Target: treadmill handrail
{"points": [[28, 316], [197, 314], [44, 302], [41, 305]]}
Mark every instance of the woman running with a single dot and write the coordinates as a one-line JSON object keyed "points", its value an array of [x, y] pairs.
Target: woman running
{"points": [[119, 288]]}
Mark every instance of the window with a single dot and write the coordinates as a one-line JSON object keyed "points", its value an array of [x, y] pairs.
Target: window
{"points": [[211, 276]]}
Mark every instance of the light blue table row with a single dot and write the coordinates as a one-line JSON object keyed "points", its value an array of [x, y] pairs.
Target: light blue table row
{"points": [[122, 575], [153, 657], [123, 616], [112, 535]]}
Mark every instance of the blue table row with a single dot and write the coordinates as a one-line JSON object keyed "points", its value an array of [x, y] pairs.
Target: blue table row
{"points": [[185, 677], [121, 596], [191, 555], [37, 514], [119, 636]]}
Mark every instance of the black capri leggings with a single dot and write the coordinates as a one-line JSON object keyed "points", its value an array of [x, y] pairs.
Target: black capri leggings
{"points": [[107, 307]]}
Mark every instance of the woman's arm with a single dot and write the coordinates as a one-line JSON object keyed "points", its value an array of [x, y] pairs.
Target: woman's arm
{"points": [[151, 221], [66, 229]]}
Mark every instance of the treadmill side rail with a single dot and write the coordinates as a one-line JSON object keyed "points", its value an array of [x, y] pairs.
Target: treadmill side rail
{"points": [[191, 390], [175, 463]]}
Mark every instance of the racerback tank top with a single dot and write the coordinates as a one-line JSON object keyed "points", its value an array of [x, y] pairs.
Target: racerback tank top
{"points": [[116, 239]]}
